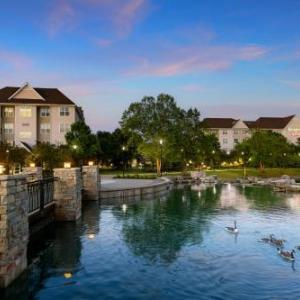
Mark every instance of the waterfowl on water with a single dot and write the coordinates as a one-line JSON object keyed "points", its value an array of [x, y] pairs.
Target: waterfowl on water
{"points": [[286, 254], [276, 242], [266, 240], [232, 229]]}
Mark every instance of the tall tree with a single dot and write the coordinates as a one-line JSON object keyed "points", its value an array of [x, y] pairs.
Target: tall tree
{"points": [[82, 142], [152, 123]]}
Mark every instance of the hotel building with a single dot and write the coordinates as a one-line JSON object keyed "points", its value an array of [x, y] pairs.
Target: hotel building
{"points": [[30, 115], [231, 132]]}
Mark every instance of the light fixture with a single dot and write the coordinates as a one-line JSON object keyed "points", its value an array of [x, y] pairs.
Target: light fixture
{"points": [[67, 165], [91, 236], [161, 141], [2, 169], [123, 148], [32, 165], [68, 275], [91, 163], [75, 147]]}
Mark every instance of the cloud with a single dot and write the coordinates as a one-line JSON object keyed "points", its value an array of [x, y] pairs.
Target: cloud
{"points": [[61, 17], [120, 15], [14, 60], [291, 83], [192, 88], [184, 60]]}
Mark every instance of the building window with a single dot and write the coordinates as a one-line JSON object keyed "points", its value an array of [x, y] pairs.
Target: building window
{"points": [[8, 128], [45, 128], [236, 132], [224, 131], [8, 112], [64, 111], [45, 112], [25, 134], [225, 141], [25, 112], [236, 141], [25, 124], [64, 128]]}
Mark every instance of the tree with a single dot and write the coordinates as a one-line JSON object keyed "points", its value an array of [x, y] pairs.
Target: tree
{"points": [[45, 155], [82, 142], [116, 147], [152, 123], [265, 148]]}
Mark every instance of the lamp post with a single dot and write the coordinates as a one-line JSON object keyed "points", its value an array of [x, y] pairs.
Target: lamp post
{"points": [[213, 164], [7, 159], [244, 164], [123, 160], [161, 149]]}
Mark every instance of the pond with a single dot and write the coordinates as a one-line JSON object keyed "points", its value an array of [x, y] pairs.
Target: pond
{"points": [[169, 248]]}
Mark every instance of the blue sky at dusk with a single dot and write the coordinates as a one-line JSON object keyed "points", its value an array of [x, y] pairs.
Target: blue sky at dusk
{"points": [[228, 58]]}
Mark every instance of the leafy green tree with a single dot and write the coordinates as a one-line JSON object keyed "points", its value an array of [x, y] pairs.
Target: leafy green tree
{"points": [[265, 148], [45, 155], [151, 123], [82, 142]]}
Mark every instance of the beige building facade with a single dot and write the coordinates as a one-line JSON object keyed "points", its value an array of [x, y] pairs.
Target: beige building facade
{"points": [[231, 132], [30, 115]]}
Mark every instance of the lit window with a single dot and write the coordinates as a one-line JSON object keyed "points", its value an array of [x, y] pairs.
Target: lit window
{"points": [[45, 128], [64, 128], [25, 134], [8, 128], [8, 112], [64, 111], [45, 112], [25, 112]]}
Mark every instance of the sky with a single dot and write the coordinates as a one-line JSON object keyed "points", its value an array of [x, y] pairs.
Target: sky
{"points": [[228, 58]]}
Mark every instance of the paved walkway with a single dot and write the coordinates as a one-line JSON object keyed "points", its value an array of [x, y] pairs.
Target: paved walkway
{"points": [[108, 183]]}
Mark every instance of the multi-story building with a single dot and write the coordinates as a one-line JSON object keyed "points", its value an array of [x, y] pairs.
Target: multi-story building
{"points": [[228, 131], [231, 132], [30, 115]]}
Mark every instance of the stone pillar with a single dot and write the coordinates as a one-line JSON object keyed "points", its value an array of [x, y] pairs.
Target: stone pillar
{"points": [[33, 173], [67, 194], [91, 182], [14, 232]]}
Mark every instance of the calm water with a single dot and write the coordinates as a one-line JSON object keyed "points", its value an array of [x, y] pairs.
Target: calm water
{"points": [[171, 248]]}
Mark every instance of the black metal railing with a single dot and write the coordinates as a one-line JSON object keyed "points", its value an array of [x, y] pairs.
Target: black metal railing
{"points": [[40, 194]]}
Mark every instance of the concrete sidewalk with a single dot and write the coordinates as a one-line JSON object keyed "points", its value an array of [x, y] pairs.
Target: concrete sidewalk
{"points": [[108, 183]]}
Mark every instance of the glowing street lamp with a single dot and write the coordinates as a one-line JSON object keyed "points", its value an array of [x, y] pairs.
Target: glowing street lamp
{"points": [[123, 160], [75, 147], [161, 146]]}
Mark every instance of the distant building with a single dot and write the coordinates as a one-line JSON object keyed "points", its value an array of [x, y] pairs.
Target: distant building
{"points": [[231, 132], [29, 115], [228, 131]]}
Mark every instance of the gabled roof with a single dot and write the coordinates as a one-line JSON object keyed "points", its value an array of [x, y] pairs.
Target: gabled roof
{"points": [[48, 96], [219, 122], [271, 122]]}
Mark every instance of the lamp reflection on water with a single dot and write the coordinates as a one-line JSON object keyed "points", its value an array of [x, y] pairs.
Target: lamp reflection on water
{"points": [[124, 207]]}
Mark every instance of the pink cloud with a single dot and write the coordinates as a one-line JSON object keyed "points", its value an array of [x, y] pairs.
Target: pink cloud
{"points": [[192, 88], [183, 60], [290, 83], [15, 60], [104, 42], [61, 17]]}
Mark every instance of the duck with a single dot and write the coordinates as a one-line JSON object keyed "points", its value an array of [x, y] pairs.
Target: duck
{"points": [[276, 242], [232, 229], [266, 240], [286, 254]]}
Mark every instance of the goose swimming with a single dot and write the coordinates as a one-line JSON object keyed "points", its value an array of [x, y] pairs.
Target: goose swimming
{"points": [[232, 229], [276, 242], [286, 254]]}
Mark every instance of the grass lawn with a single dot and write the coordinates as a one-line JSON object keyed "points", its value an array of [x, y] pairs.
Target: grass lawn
{"points": [[268, 172], [227, 174]]}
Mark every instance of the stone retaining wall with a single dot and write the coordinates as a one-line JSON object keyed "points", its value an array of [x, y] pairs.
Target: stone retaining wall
{"points": [[91, 182], [13, 227], [67, 194]]}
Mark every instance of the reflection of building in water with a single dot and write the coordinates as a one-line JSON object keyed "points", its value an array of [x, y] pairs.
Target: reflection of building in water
{"points": [[91, 217], [294, 202], [232, 198], [199, 187]]}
